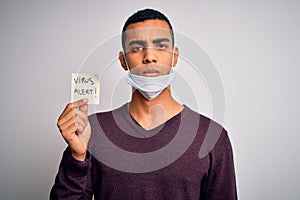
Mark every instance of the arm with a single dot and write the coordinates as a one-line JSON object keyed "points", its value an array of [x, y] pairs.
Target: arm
{"points": [[73, 180], [220, 182]]}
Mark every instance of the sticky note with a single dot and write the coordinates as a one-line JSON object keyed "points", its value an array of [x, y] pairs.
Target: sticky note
{"points": [[85, 86]]}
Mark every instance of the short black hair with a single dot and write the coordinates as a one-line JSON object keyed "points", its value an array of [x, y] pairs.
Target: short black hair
{"points": [[143, 15]]}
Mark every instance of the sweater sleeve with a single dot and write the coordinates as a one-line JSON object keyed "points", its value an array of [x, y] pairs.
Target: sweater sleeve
{"points": [[220, 182], [73, 180]]}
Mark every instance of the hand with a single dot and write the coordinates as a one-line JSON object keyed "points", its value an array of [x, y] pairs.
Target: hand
{"points": [[75, 128]]}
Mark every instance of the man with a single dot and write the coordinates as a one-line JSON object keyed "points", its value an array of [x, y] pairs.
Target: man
{"points": [[150, 123]]}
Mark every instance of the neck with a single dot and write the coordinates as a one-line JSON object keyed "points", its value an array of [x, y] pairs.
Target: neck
{"points": [[150, 114]]}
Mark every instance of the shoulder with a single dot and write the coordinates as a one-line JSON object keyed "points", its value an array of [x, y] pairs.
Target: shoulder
{"points": [[213, 136], [205, 122]]}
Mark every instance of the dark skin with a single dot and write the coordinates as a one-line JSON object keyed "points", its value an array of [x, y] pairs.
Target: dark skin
{"points": [[141, 49], [150, 114]]}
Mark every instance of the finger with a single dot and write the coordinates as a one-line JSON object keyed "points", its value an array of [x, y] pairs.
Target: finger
{"points": [[70, 135], [84, 108], [79, 103], [75, 104], [80, 124], [68, 107], [76, 117], [80, 116], [69, 132], [64, 127], [68, 115]]}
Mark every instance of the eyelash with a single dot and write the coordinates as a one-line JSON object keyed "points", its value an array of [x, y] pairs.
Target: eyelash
{"points": [[136, 48], [162, 46], [140, 47]]}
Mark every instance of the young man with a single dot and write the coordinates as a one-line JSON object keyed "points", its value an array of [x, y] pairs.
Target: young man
{"points": [[131, 152]]}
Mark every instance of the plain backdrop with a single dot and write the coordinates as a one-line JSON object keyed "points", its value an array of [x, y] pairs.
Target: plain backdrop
{"points": [[254, 45]]}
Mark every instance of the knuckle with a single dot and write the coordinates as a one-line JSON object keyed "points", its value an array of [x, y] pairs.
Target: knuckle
{"points": [[75, 112], [85, 123], [70, 105], [85, 119], [76, 124], [80, 129], [59, 122], [74, 116], [64, 134], [67, 134], [59, 126]]}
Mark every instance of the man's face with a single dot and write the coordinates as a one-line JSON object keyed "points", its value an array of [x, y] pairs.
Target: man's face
{"points": [[148, 48]]}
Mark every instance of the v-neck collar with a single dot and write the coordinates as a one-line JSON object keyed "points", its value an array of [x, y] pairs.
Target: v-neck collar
{"points": [[139, 131]]}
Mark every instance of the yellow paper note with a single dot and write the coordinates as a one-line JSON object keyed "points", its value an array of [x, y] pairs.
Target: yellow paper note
{"points": [[85, 86]]}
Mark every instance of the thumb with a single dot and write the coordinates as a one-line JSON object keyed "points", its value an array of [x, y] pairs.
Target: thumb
{"points": [[79, 103], [84, 108]]}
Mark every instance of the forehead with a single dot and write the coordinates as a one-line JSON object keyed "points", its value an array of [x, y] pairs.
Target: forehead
{"points": [[149, 29], [153, 23]]}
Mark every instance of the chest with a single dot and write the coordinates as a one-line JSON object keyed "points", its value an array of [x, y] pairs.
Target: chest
{"points": [[179, 180]]}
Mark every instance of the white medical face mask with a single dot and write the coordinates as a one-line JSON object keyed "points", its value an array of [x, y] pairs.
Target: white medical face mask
{"points": [[150, 87]]}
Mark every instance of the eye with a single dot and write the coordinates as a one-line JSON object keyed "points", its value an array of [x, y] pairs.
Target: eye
{"points": [[162, 46], [137, 48]]}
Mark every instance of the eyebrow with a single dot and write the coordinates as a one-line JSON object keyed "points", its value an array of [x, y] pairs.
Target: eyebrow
{"points": [[155, 41], [139, 42], [159, 40]]}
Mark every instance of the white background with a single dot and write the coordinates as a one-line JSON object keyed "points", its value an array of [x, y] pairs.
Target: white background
{"points": [[254, 45]]}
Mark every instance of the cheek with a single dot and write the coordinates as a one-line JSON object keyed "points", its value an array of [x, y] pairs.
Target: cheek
{"points": [[166, 58], [133, 60]]}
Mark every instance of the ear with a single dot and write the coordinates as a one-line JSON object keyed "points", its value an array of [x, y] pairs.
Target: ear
{"points": [[176, 55], [122, 60]]}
